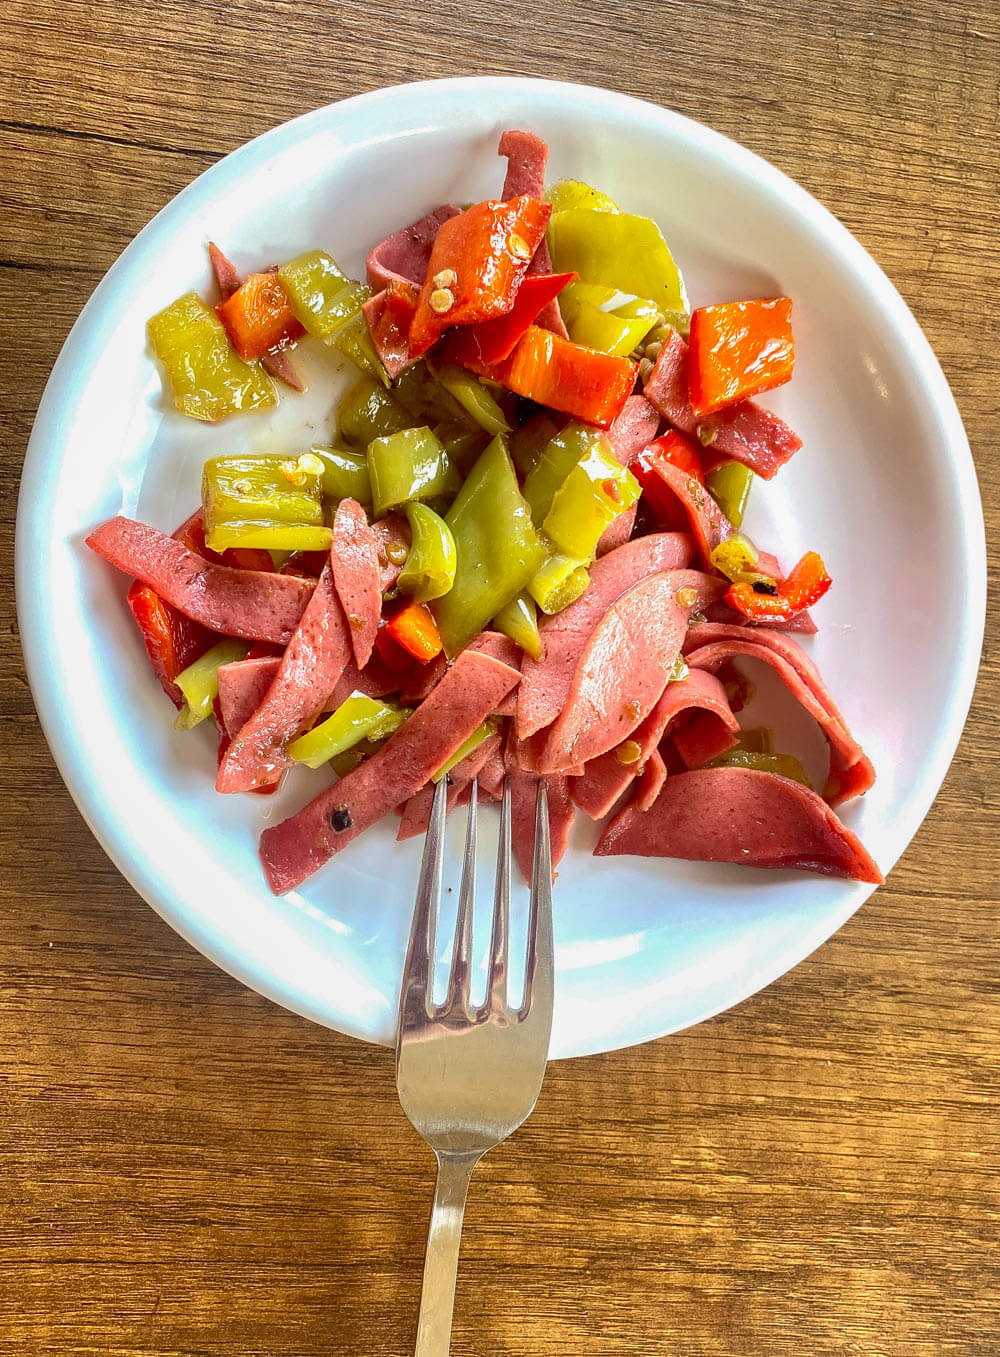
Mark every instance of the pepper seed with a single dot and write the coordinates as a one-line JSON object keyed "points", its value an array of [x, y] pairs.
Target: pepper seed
{"points": [[442, 300]]}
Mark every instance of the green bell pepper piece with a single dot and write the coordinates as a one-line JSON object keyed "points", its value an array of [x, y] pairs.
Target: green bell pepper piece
{"points": [[519, 621], [757, 740], [264, 501], [605, 318], [368, 411], [357, 718], [618, 250], [354, 341], [730, 485], [735, 557], [462, 443], [207, 378], [529, 441], [345, 475], [473, 397], [408, 465], [199, 682], [556, 460], [559, 582], [787, 765], [497, 547], [569, 193], [591, 497], [473, 741], [431, 562], [322, 297]]}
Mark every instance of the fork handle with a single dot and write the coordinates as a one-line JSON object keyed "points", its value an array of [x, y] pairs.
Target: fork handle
{"points": [[437, 1296]]}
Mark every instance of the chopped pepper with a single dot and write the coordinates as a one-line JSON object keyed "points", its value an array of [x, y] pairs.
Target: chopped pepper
{"points": [[199, 682], [345, 475], [264, 501], [258, 316], [528, 443], [565, 376], [389, 324], [554, 463], [473, 397], [570, 193], [321, 296], [491, 341], [729, 484], [519, 620], [430, 566], [805, 584], [737, 350], [409, 465], [172, 640], [355, 343], [559, 582], [606, 318], [619, 250], [786, 765], [477, 262], [357, 718], [735, 557], [497, 547], [597, 489], [472, 742], [368, 411], [673, 447], [207, 379], [415, 630]]}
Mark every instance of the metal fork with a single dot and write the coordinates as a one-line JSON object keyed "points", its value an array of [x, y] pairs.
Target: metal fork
{"points": [[468, 1077]]}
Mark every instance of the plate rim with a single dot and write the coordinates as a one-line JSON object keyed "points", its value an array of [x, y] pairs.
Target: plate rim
{"points": [[57, 403]]}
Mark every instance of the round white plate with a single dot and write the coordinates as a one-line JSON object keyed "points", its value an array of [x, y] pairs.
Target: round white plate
{"points": [[884, 488]]}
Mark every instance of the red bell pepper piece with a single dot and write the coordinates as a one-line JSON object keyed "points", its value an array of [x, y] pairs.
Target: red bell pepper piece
{"points": [[259, 316], [172, 640], [673, 447], [477, 262], [415, 630], [564, 376], [737, 350], [491, 341], [389, 315], [805, 584]]}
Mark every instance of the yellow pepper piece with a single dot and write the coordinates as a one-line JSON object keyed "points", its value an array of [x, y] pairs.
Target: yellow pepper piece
{"points": [[207, 378], [199, 682]]}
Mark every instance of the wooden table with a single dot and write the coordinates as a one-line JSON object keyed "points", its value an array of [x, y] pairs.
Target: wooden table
{"points": [[190, 1170]]}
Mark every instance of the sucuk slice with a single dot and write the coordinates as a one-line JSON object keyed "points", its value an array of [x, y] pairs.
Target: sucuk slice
{"points": [[253, 604], [712, 644], [468, 693], [405, 254], [546, 682], [625, 666], [357, 576], [605, 779], [307, 674], [740, 815]]}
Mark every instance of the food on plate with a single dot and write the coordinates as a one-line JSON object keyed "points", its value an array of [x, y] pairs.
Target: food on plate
{"points": [[520, 557]]}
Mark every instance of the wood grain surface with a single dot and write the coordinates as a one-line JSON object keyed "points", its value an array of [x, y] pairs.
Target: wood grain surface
{"points": [[186, 1169]]}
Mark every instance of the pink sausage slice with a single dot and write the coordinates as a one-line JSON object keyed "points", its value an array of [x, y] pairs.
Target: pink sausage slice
{"points": [[710, 644], [253, 604], [740, 815], [709, 525], [607, 778], [703, 738], [624, 668], [357, 576], [392, 538], [650, 782], [745, 431], [404, 256], [309, 669], [243, 686], [300, 845], [546, 682], [562, 813], [526, 156]]}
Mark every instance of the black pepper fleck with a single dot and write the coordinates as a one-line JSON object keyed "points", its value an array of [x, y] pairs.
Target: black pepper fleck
{"points": [[341, 819], [764, 587]]}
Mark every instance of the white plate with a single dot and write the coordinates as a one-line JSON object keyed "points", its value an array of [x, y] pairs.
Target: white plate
{"points": [[884, 487]]}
